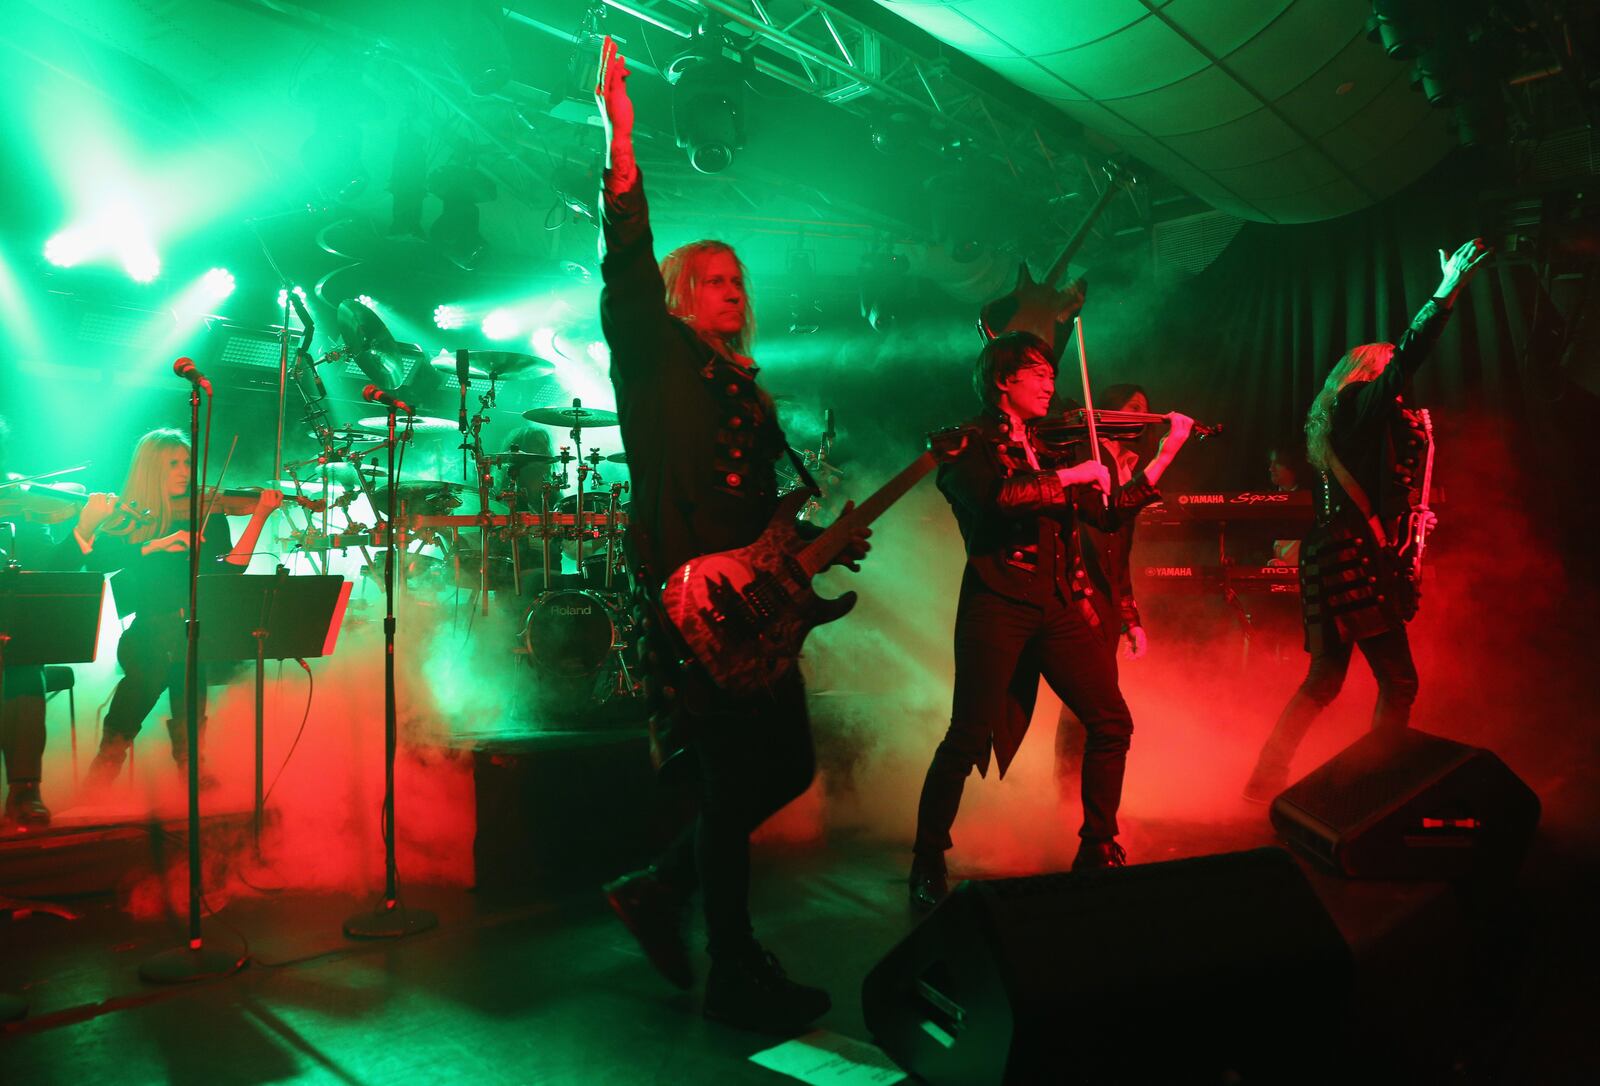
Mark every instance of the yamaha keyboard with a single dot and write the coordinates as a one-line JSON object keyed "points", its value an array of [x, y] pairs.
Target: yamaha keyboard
{"points": [[1213, 578], [1290, 508]]}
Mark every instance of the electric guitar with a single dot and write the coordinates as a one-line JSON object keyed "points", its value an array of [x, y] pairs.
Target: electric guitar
{"points": [[1036, 305], [745, 613], [1415, 528]]}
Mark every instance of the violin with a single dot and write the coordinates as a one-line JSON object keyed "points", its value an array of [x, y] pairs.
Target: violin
{"points": [[1056, 432], [56, 503], [242, 501]]}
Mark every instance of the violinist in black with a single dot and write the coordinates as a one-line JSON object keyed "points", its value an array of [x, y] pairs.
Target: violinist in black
{"points": [[1356, 435], [1031, 605], [151, 566], [26, 544]]}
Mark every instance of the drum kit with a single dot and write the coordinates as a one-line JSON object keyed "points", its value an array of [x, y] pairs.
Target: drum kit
{"points": [[479, 534]]}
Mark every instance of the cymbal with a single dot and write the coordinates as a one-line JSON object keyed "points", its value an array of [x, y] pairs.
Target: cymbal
{"points": [[437, 494], [370, 342], [311, 488], [421, 424], [485, 365], [522, 459], [574, 418], [618, 458]]}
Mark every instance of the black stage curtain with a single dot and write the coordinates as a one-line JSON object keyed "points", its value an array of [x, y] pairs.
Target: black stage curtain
{"points": [[1250, 340]]}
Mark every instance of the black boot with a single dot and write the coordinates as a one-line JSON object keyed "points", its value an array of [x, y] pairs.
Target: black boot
{"points": [[25, 808], [107, 762], [751, 991], [178, 730], [654, 913], [1095, 855], [929, 883]]}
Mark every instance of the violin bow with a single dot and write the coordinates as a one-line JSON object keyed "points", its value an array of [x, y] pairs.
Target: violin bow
{"points": [[1088, 400]]}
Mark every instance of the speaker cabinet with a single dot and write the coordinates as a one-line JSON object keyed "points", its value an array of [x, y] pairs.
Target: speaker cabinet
{"points": [[1407, 805], [1179, 969]]}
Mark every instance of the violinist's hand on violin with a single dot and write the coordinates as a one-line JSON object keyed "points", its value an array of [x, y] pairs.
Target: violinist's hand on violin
{"points": [[172, 542], [1087, 473], [95, 511], [1179, 427], [269, 500]]}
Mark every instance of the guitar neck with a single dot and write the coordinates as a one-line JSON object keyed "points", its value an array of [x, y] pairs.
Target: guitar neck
{"points": [[816, 555], [1080, 235]]}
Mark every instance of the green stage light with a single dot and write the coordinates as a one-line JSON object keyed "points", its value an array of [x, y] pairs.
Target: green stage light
{"points": [[367, 300], [501, 324], [67, 249], [219, 283], [283, 296], [449, 317]]}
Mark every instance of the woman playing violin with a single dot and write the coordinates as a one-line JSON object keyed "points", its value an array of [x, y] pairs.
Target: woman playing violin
{"points": [[27, 544], [152, 562]]}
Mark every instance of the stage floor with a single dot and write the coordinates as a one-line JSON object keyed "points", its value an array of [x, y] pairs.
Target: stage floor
{"points": [[549, 988]]}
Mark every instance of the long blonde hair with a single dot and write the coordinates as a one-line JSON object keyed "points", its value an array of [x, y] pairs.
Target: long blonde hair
{"points": [[146, 487], [1360, 364], [682, 270]]}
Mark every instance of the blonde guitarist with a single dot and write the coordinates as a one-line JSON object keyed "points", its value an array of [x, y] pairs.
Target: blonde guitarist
{"points": [[702, 440]]}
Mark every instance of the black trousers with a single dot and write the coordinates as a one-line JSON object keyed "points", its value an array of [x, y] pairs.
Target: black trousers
{"points": [[1389, 656], [152, 653], [995, 636], [22, 729], [744, 758]]}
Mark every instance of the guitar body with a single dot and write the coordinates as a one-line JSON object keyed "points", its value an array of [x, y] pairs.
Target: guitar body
{"points": [[745, 613], [1035, 307]]}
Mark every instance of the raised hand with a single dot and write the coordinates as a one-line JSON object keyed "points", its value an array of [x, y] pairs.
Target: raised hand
{"points": [[1457, 269], [611, 93]]}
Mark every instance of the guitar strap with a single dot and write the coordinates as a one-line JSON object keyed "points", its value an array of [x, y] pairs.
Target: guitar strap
{"points": [[1358, 495]]}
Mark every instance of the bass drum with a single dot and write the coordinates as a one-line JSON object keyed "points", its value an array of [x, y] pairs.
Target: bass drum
{"points": [[573, 640]]}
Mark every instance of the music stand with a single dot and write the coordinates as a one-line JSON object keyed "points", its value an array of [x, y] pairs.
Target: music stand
{"points": [[45, 618], [265, 617]]}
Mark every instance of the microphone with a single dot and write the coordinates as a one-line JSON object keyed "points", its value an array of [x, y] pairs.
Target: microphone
{"points": [[827, 425], [185, 368], [374, 394], [464, 379]]}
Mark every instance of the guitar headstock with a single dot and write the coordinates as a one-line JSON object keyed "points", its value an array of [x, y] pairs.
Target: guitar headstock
{"points": [[1118, 175], [950, 442]]}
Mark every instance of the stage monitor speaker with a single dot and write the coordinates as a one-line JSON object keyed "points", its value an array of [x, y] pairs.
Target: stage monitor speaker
{"points": [[1175, 972], [1407, 805]]}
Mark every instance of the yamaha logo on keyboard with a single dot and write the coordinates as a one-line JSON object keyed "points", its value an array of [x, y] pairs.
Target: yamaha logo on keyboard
{"points": [[1169, 571], [1200, 499]]}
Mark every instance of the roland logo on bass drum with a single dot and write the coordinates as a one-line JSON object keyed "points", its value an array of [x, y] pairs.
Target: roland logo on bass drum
{"points": [[586, 609]]}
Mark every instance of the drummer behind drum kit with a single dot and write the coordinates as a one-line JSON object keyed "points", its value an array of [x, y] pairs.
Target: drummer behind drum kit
{"points": [[578, 632]]}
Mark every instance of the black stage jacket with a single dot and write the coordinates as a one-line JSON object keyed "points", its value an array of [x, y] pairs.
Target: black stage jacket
{"points": [[702, 437], [1346, 590]]}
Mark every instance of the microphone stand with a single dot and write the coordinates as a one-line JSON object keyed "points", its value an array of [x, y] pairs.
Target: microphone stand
{"points": [[390, 920], [193, 962]]}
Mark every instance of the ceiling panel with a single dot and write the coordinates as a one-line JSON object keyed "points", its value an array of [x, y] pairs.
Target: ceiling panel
{"points": [[1276, 110]]}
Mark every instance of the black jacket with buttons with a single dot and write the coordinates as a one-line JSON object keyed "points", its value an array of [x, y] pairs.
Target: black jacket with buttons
{"points": [[1021, 526], [702, 437]]}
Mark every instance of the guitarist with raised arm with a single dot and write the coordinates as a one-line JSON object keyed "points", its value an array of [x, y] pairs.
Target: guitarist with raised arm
{"points": [[1359, 561], [1032, 603], [702, 439]]}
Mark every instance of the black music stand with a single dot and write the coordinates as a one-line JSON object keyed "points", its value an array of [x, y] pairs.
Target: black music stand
{"points": [[45, 618], [265, 617]]}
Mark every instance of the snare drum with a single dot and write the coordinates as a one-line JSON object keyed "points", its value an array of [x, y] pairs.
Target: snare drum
{"points": [[573, 638]]}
